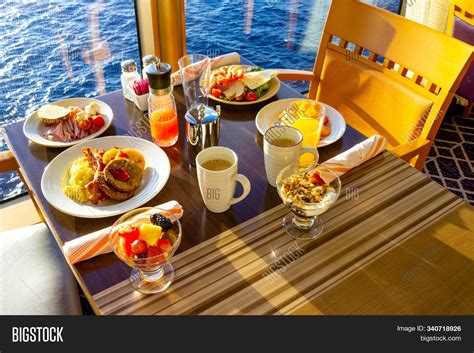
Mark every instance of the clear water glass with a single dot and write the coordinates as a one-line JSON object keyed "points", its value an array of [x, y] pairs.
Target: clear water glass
{"points": [[195, 72]]}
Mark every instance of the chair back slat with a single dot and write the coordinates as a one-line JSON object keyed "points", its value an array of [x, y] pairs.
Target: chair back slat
{"points": [[410, 44]]}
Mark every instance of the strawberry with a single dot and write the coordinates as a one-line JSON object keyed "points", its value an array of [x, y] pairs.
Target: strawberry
{"points": [[154, 256], [164, 244], [326, 120], [315, 178], [153, 251]]}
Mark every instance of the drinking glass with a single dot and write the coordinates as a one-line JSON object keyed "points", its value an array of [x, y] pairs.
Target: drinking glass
{"points": [[304, 222], [150, 274], [195, 72]]}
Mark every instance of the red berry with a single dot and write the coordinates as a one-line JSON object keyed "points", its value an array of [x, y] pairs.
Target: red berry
{"points": [[326, 120], [315, 178], [139, 246], [153, 251], [164, 244], [154, 255]]}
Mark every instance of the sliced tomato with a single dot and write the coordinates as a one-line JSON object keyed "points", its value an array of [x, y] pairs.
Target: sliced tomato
{"points": [[251, 96], [216, 92], [98, 121]]}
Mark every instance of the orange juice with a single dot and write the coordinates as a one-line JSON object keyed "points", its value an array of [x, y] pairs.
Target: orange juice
{"points": [[308, 117], [164, 127]]}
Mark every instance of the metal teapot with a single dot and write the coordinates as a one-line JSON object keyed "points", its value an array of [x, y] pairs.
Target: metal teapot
{"points": [[202, 129]]}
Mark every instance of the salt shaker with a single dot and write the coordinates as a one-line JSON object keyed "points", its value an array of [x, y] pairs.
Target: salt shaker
{"points": [[129, 74]]}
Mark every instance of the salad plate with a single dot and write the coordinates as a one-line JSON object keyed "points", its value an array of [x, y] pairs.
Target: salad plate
{"points": [[35, 130], [155, 175], [268, 117], [229, 86]]}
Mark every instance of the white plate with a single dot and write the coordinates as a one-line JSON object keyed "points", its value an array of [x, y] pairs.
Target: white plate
{"points": [[267, 116], [274, 87], [34, 129], [157, 171]]}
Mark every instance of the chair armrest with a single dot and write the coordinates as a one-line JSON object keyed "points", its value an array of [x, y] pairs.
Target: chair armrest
{"points": [[8, 162], [295, 75], [409, 150]]}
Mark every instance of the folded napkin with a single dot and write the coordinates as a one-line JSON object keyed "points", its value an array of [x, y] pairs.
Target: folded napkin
{"points": [[226, 59], [353, 157], [97, 243]]}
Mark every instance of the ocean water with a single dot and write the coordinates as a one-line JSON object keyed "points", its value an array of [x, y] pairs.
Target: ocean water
{"points": [[51, 49]]}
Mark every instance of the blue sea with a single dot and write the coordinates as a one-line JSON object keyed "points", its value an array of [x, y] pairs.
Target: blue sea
{"points": [[51, 50]]}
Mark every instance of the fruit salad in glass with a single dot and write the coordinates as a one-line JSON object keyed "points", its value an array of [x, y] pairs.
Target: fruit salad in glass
{"points": [[146, 239]]}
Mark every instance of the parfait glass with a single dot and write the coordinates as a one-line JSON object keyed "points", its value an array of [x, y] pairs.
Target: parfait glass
{"points": [[150, 274], [304, 222]]}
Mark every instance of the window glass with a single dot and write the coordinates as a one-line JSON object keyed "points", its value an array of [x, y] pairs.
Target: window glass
{"points": [[51, 50], [269, 33]]}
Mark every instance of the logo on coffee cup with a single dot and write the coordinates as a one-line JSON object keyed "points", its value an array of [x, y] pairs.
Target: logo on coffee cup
{"points": [[213, 193]]}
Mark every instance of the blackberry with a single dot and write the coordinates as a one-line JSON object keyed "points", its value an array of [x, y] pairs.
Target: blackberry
{"points": [[162, 221]]}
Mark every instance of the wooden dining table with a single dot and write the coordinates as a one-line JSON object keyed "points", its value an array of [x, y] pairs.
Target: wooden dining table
{"points": [[395, 242]]}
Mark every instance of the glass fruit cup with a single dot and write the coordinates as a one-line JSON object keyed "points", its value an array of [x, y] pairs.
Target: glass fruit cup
{"points": [[151, 271], [304, 222]]}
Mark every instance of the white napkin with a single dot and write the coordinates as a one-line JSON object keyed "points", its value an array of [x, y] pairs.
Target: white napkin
{"points": [[353, 157]]}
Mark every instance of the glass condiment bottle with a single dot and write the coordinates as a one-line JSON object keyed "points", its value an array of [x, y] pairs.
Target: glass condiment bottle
{"points": [[129, 74], [161, 105], [147, 60]]}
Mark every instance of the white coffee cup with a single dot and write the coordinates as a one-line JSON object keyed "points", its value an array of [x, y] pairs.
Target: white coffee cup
{"points": [[278, 155], [218, 186]]}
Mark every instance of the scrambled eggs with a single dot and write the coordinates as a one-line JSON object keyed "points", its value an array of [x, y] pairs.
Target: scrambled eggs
{"points": [[80, 173]]}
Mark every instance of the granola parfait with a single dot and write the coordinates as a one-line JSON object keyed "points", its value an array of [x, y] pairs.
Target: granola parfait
{"points": [[307, 195]]}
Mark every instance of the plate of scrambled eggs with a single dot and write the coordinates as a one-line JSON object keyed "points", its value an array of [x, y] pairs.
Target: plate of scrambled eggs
{"points": [[105, 177]]}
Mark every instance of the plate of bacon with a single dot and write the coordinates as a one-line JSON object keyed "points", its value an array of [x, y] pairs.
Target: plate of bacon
{"points": [[68, 122], [105, 177]]}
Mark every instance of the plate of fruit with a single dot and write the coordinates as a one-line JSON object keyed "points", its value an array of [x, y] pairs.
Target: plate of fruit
{"points": [[242, 84], [146, 239], [105, 177], [68, 122], [305, 115]]}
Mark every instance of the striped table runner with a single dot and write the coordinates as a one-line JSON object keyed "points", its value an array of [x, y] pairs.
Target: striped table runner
{"points": [[255, 268]]}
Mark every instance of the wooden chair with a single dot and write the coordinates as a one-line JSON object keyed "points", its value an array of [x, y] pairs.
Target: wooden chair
{"points": [[386, 75], [9, 163], [461, 26]]}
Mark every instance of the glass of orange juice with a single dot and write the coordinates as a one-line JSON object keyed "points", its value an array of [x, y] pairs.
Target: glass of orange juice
{"points": [[308, 117], [164, 127]]}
